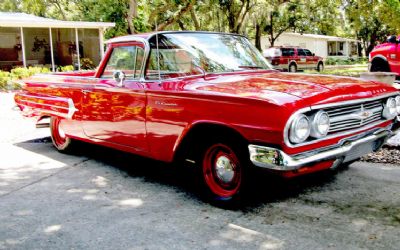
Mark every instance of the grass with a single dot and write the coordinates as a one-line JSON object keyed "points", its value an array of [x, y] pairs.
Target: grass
{"points": [[353, 70]]}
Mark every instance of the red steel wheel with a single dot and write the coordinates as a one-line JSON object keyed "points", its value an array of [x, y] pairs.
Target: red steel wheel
{"points": [[222, 171], [60, 140]]}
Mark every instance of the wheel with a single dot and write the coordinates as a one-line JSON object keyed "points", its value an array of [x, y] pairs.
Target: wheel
{"points": [[60, 140], [223, 168], [320, 67], [292, 68], [379, 65]]}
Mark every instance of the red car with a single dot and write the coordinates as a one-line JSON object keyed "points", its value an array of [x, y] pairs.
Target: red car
{"points": [[293, 59], [210, 100], [386, 57]]}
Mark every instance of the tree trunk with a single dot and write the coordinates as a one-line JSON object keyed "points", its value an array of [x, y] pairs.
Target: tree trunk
{"points": [[132, 13], [181, 25], [195, 20], [258, 37]]}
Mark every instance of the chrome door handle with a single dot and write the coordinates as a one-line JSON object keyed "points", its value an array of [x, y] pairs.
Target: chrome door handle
{"points": [[86, 91]]}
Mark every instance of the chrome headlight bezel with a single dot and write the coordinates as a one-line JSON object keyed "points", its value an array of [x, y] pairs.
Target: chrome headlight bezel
{"points": [[397, 98], [390, 109], [301, 122], [320, 124]]}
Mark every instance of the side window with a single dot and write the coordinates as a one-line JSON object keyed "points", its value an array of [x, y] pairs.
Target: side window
{"points": [[173, 59], [127, 59], [300, 52], [308, 53], [288, 52]]}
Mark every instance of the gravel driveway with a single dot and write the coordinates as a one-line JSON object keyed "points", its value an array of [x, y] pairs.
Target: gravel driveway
{"points": [[103, 199]]}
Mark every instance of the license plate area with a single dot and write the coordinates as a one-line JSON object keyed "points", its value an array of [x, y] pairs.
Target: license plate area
{"points": [[363, 149]]}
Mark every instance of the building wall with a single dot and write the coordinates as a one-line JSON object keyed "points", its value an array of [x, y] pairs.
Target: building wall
{"points": [[317, 46]]}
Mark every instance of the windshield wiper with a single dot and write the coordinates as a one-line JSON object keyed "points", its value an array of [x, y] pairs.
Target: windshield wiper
{"points": [[249, 67]]}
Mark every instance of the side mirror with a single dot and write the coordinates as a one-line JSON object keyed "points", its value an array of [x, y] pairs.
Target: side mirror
{"points": [[392, 39], [119, 77], [313, 54]]}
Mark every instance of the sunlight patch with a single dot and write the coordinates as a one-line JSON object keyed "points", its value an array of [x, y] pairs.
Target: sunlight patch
{"points": [[131, 202], [52, 229]]}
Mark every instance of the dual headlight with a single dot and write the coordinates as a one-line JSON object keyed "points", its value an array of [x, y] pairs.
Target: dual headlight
{"points": [[316, 126], [392, 107]]}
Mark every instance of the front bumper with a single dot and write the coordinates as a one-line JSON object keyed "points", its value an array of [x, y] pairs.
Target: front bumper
{"points": [[348, 150]]}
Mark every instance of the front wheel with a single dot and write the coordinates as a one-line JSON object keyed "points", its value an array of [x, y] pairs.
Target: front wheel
{"points": [[222, 168], [58, 137]]}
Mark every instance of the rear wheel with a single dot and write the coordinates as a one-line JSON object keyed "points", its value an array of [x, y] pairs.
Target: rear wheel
{"points": [[60, 140], [320, 67], [292, 68]]}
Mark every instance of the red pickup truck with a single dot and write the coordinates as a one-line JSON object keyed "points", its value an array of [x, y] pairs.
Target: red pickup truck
{"points": [[212, 101], [386, 56]]}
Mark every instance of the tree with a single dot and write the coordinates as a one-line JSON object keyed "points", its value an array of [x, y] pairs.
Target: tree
{"points": [[372, 21], [236, 12]]}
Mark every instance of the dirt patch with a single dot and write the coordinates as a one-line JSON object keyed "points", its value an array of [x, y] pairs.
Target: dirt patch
{"points": [[388, 154]]}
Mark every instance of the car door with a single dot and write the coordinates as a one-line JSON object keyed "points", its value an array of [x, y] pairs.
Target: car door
{"points": [[302, 59], [311, 62], [115, 112]]}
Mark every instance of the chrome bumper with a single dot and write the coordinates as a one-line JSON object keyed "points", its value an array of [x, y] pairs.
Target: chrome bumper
{"points": [[275, 159]]}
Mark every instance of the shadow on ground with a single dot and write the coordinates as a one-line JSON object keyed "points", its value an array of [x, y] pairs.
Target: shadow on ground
{"points": [[265, 187]]}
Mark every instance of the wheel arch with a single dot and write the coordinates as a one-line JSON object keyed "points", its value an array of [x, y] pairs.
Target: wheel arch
{"points": [[197, 130], [292, 62], [380, 59]]}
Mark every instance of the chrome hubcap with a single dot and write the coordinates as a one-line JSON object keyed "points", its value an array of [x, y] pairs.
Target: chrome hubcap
{"points": [[61, 132], [224, 169]]}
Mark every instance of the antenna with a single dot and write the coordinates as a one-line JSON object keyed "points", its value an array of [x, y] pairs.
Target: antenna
{"points": [[158, 53]]}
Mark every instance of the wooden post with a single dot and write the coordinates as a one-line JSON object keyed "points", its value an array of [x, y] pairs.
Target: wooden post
{"points": [[77, 48], [51, 51], [23, 47], [101, 42]]}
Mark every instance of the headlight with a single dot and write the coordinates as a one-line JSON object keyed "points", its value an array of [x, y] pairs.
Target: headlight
{"points": [[390, 110], [320, 124], [398, 104], [300, 129]]}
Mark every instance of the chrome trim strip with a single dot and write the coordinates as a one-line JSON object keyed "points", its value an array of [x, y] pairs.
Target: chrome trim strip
{"points": [[275, 159], [334, 104], [304, 110]]}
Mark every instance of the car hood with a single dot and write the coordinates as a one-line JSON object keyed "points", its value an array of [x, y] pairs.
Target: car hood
{"points": [[318, 88]]}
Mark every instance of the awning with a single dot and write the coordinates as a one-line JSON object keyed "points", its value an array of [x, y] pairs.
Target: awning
{"points": [[12, 19]]}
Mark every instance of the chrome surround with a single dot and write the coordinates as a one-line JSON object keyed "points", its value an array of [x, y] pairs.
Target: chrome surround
{"points": [[314, 124], [322, 106], [260, 156], [386, 110], [397, 98], [293, 128]]}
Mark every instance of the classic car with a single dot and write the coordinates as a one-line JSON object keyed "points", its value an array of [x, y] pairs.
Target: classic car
{"points": [[212, 101]]}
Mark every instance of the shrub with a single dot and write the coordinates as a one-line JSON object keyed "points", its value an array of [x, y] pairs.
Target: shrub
{"points": [[67, 68], [345, 61], [9, 80], [87, 64]]}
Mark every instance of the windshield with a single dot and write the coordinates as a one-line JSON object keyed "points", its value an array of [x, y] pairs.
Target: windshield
{"points": [[191, 53]]}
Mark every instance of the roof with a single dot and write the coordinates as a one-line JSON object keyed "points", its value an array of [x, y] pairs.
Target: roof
{"points": [[147, 36], [323, 37], [16, 19]]}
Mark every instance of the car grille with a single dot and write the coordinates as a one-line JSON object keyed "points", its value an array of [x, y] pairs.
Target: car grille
{"points": [[354, 116]]}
